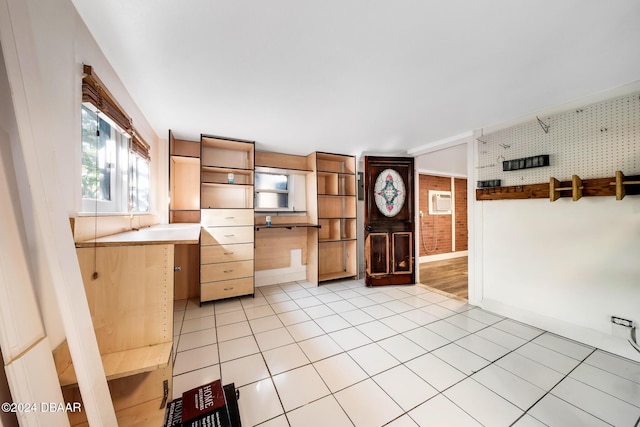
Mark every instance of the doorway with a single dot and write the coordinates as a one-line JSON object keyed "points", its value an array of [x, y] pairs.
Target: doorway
{"points": [[389, 221], [443, 224]]}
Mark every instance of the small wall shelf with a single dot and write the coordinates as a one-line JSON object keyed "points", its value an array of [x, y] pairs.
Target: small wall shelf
{"points": [[555, 188], [287, 226], [591, 188], [121, 364]]}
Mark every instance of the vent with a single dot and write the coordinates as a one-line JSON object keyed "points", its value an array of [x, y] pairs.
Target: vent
{"points": [[440, 202]]}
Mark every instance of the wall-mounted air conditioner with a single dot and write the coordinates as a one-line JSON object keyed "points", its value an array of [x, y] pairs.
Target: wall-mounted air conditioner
{"points": [[439, 202]]}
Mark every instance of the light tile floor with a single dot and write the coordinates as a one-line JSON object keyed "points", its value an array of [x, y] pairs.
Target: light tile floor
{"points": [[343, 354]]}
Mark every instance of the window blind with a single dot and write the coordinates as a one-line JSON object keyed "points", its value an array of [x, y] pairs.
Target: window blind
{"points": [[95, 92]]}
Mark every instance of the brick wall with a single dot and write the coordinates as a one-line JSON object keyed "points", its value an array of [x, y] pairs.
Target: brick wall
{"points": [[432, 226]]}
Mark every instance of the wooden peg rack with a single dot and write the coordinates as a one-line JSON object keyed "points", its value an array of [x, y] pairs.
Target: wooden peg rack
{"points": [[620, 185], [590, 188], [555, 189]]}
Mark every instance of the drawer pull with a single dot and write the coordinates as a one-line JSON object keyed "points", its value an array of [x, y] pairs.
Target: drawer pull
{"points": [[228, 253], [228, 289], [229, 217], [228, 271], [229, 235]]}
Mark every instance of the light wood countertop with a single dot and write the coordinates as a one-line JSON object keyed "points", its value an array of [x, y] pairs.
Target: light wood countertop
{"points": [[162, 234]]}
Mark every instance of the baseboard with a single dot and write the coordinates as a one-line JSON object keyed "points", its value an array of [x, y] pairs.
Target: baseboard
{"points": [[572, 331]]}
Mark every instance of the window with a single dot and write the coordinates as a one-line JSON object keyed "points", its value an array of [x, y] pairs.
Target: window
{"points": [[272, 191], [115, 160], [109, 168], [279, 191], [138, 184]]}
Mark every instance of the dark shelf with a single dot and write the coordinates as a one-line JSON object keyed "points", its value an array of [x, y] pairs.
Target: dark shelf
{"points": [[288, 226]]}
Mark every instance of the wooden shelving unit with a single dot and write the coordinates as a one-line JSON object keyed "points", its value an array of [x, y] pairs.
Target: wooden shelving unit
{"points": [[184, 176], [227, 218], [596, 187], [128, 281], [336, 210], [184, 207]]}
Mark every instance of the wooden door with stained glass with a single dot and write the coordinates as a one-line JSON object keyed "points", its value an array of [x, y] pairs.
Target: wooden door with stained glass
{"points": [[389, 221]]}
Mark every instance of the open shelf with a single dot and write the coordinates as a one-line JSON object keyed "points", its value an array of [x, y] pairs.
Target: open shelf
{"points": [[184, 191], [218, 175], [184, 216], [283, 161], [337, 259], [124, 363], [336, 206], [217, 152], [182, 147], [334, 229], [287, 226], [327, 162], [234, 196], [330, 183]]}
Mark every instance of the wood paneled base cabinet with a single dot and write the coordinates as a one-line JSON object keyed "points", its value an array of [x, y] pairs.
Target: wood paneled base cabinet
{"points": [[131, 305]]}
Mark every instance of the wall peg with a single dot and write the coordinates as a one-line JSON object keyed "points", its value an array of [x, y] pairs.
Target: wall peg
{"points": [[555, 189], [545, 127], [620, 185]]}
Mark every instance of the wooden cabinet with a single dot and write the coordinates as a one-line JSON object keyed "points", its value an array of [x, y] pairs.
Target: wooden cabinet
{"points": [[336, 210], [184, 207], [128, 280], [132, 312], [227, 218]]}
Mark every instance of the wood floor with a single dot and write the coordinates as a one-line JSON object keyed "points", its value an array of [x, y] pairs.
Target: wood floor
{"points": [[449, 276]]}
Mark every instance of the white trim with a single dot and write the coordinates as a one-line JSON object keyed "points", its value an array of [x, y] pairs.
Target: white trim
{"points": [[474, 227], [589, 336], [453, 214], [440, 173], [441, 257]]}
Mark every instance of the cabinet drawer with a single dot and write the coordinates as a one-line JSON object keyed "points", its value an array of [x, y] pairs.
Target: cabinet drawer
{"points": [[226, 217], [226, 235], [225, 271], [226, 253], [226, 289]]}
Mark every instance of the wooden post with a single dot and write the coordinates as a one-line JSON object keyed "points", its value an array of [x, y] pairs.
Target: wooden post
{"points": [[576, 187]]}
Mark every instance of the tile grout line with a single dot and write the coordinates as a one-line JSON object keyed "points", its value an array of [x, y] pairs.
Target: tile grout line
{"points": [[396, 334], [555, 385]]}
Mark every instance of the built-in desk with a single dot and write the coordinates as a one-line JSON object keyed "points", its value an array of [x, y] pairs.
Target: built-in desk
{"points": [[164, 234], [286, 250], [129, 283], [287, 226]]}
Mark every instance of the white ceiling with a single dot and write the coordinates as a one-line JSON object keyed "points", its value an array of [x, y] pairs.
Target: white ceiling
{"points": [[349, 76]]}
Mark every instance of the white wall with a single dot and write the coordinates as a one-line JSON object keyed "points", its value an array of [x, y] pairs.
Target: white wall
{"points": [[451, 161], [573, 262], [563, 266]]}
